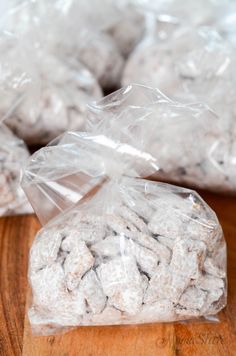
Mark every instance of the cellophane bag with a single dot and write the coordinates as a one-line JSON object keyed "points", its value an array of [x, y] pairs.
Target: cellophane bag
{"points": [[117, 249], [190, 143], [190, 64], [134, 252], [18, 78], [59, 105], [59, 175], [74, 34], [13, 156], [71, 30], [186, 73], [42, 95]]}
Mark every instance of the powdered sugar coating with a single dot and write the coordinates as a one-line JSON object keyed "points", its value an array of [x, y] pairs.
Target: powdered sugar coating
{"points": [[57, 104], [13, 155], [123, 275]]}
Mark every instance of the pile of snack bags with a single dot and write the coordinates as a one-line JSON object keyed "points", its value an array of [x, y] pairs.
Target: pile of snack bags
{"points": [[117, 99]]}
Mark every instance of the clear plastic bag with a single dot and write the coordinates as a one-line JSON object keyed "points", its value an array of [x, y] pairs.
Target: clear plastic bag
{"points": [[204, 72], [188, 141], [112, 246], [13, 156], [18, 77], [133, 252], [191, 64], [59, 104], [61, 174], [88, 40], [41, 95], [72, 30], [175, 142]]}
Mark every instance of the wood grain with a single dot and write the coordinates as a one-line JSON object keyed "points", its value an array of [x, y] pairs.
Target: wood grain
{"points": [[210, 339], [14, 246]]}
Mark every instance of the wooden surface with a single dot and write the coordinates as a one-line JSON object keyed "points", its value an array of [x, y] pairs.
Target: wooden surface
{"points": [[198, 338]]}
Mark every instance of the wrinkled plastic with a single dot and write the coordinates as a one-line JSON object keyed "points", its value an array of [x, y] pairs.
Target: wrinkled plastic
{"points": [[60, 103], [133, 252], [189, 142], [41, 95], [203, 72], [168, 15], [89, 40], [18, 76], [111, 248], [191, 64], [139, 132], [72, 30], [13, 156], [59, 175]]}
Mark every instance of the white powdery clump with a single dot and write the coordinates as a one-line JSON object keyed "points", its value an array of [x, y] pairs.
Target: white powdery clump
{"points": [[195, 65], [200, 72], [115, 268], [99, 53], [13, 155], [76, 32], [56, 103], [120, 21]]}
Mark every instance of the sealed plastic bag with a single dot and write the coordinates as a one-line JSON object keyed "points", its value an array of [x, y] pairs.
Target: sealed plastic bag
{"points": [[84, 38], [41, 95], [203, 73], [59, 104], [13, 156], [60, 175], [192, 64], [184, 143], [43, 98], [71, 30], [135, 252], [188, 141], [18, 76]]}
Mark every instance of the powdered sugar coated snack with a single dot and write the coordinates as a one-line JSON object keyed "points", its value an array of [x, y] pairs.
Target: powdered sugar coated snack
{"points": [[13, 155], [135, 252], [56, 105]]}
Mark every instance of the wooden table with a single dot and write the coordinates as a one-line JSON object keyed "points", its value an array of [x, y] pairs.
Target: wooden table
{"points": [[16, 235]]}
